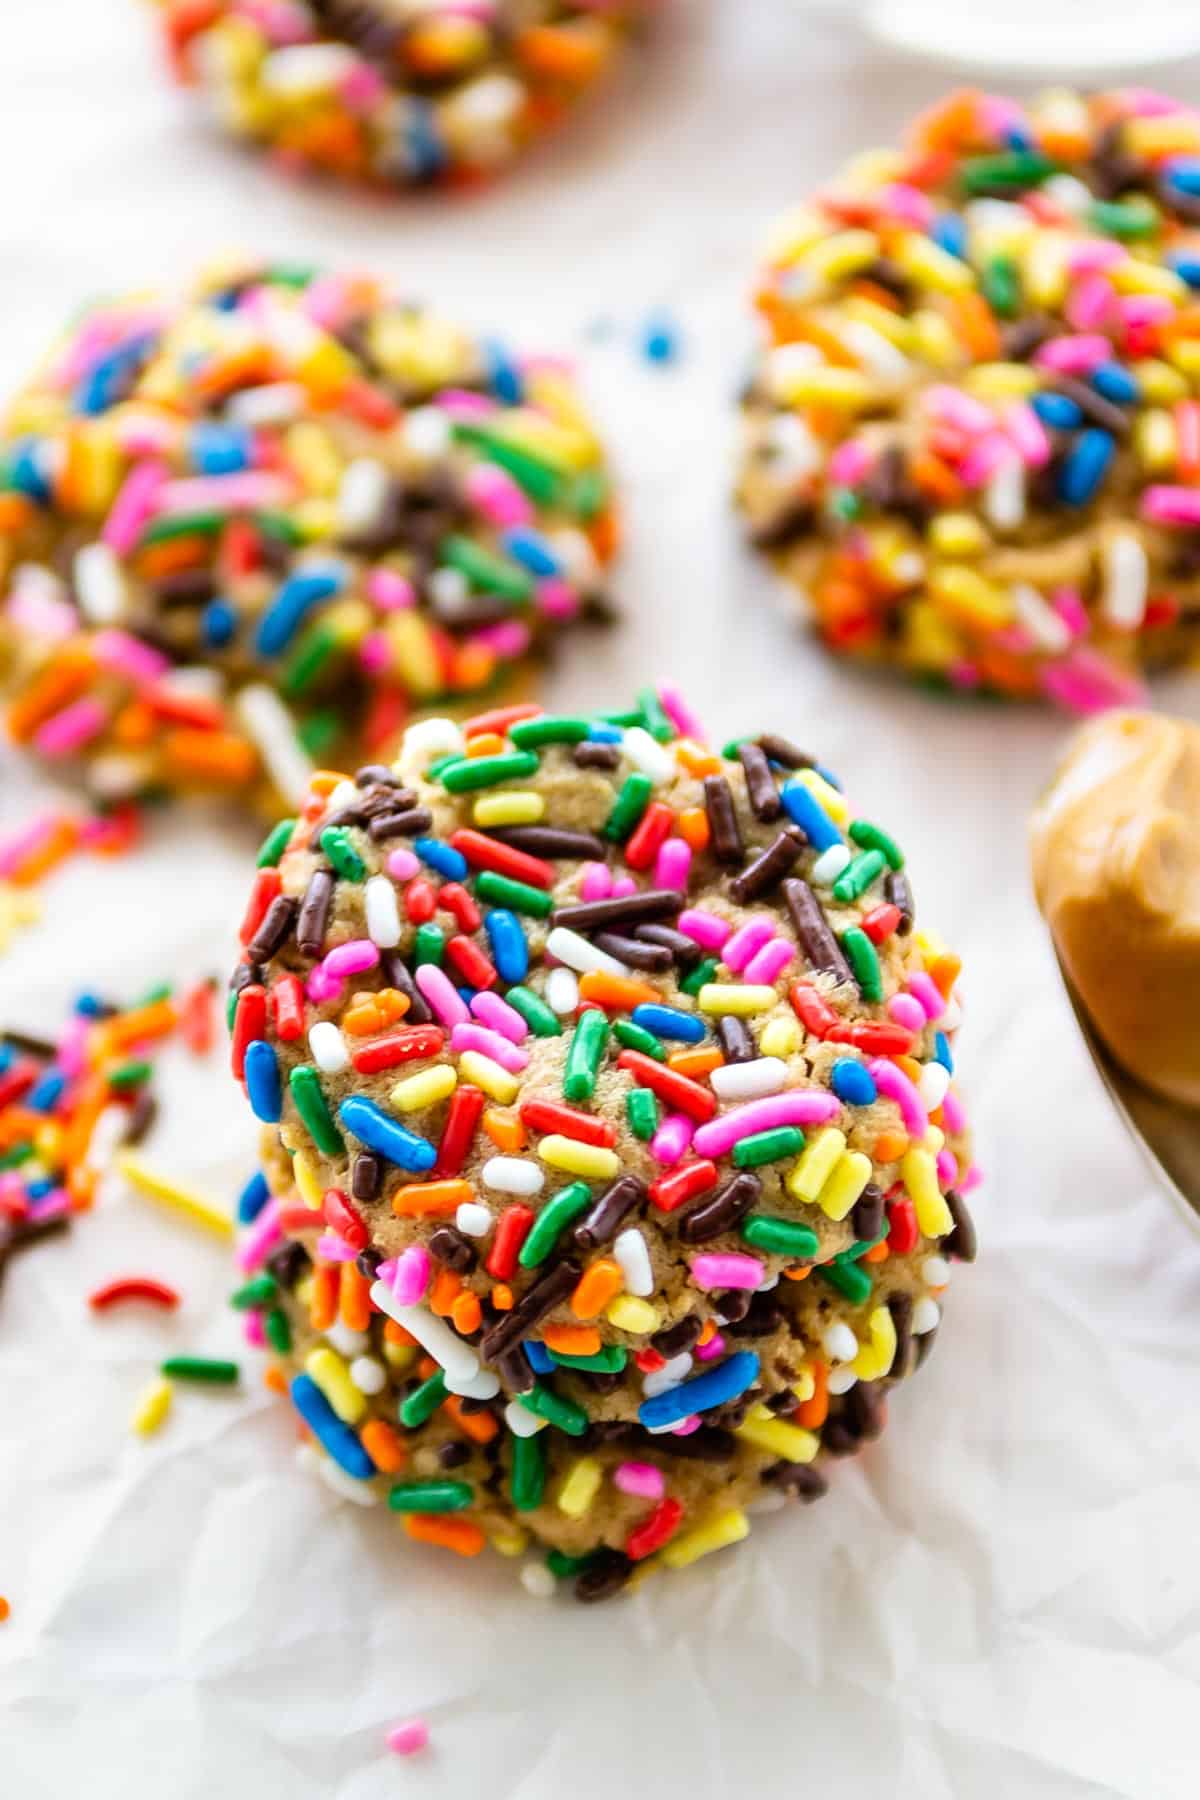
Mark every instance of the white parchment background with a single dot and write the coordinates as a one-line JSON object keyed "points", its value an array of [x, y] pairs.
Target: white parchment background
{"points": [[1002, 1599]]}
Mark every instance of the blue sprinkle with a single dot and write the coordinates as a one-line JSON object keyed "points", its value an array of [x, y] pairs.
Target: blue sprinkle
{"points": [[806, 811], [112, 377], [262, 1082], [1018, 138], [1057, 411], [1183, 173], [220, 449], [1116, 384], [951, 233], [43, 1095], [599, 733], [1187, 268], [90, 1006], [725, 1382], [540, 1359], [941, 1052], [1086, 466], [503, 373], [7, 1058], [424, 153], [510, 947], [531, 550], [298, 595], [828, 776], [24, 471], [387, 1137], [660, 338], [443, 859], [253, 1198], [339, 1440], [669, 1022], [852, 1082], [37, 1190], [218, 622]]}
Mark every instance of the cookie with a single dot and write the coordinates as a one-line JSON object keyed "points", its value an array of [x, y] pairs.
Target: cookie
{"points": [[971, 438], [397, 93], [267, 522], [623, 1071]]}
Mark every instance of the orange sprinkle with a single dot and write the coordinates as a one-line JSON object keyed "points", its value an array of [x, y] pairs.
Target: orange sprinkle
{"points": [[374, 1012], [134, 726], [813, 1413], [696, 758], [575, 52], [275, 1379], [693, 827], [62, 681], [395, 1333], [157, 1020], [78, 1134], [485, 743], [604, 535], [877, 1253], [708, 1333], [384, 1446], [323, 1304], [466, 1315], [617, 993], [695, 1064], [972, 321], [218, 756], [504, 1128], [15, 513], [446, 1288], [948, 125], [430, 1199], [571, 1340], [458, 1535], [5, 1609], [53, 849], [172, 557], [472, 668], [323, 781], [499, 719], [934, 478], [944, 971], [890, 1146], [481, 1427], [502, 1297], [354, 1299], [798, 1272], [908, 1065], [600, 1282]]}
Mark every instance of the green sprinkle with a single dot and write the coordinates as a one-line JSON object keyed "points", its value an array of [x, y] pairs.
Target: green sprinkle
{"points": [[564, 1566], [490, 573], [853, 1283], [231, 1004], [424, 1401], [309, 1097], [527, 1482], [653, 716], [434, 771], [1133, 218], [768, 1146], [429, 945], [555, 1410], [553, 1219], [210, 1369], [641, 1110], [164, 531], [729, 751], [844, 503], [783, 1237], [130, 1074], [632, 715], [628, 807], [1000, 284], [161, 991], [431, 1496], [274, 844], [870, 837], [278, 525], [336, 843], [277, 1331], [585, 1052], [636, 1037], [309, 659], [700, 976], [859, 1249], [258, 1292], [589, 493], [471, 772], [536, 1014], [609, 1360], [539, 480], [864, 962], [1013, 169], [291, 275], [518, 896], [12, 1159], [858, 875], [527, 734], [318, 730]]}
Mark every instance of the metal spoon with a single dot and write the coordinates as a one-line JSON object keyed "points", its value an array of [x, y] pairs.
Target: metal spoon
{"points": [[1168, 1134]]}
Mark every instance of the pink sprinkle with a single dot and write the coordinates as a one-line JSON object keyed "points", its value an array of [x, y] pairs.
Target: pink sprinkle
{"points": [[953, 407], [411, 1277], [1068, 604], [971, 1179], [984, 458], [488, 1043], [927, 994], [386, 1272], [679, 712], [907, 1012], [332, 1248], [442, 995], [71, 728], [963, 675], [133, 506], [895, 1084], [321, 987], [1148, 103], [408, 1738], [644, 1480], [252, 1330], [947, 1168], [461, 404], [128, 655], [711, 1350], [624, 884], [904, 201], [686, 1427], [14, 850], [1027, 432], [494, 493], [596, 883], [769, 964], [52, 1205], [402, 865], [39, 613], [500, 1016], [249, 490], [362, 88], [798, 1106], [704, 928], [1139, 310], [72, 1047], [746, 942], [1089, 302], [1095, 255], [1171, 505], [375, 653], [1086, 682], [390, 591], [671, 1139], [555, 598], [673, 865], [952, 1112], [727, 1269], [1074, 355], [353, 958], [849, 463], [261, 1238], [510, 638]]}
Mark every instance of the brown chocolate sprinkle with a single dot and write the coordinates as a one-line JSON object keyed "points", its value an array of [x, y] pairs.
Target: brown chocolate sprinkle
{"points": [[601, 1223], [722, 820], [760, 783], [314, 913], [722, 1212], [547, 840], [782, 751], [768, 868], [590, 915], [812, 929], [540, 1299]]}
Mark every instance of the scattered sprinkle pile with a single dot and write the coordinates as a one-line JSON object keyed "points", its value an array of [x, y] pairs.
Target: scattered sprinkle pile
{"points": [[390, 92], [32, 852], [271, 520], [613, 1162], [973, 440]]}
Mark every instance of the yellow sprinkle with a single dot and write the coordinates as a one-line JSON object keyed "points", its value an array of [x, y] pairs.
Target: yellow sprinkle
{"points": [[933, 340], [927, 263], [333, 1378], [152, 1408], [873, 168], [875, 1358], [780, 1037], [918, 1171], [1135, 276], [957, 534], [1161, 385], [816, 1164], [1185, 355], [791, 234], [413, 650], [723, 1528], [805, 1384], [1044, 268], [1175, 134], [896, 330], [520, 808], [820, 384], [847, 1182], [628, 1313], [310, 449], [845, 253], [965, 594], [580, 1487], [1001, 381], [591, 1161], [424, 1089], [481, 1072], [308, 1181], [509, 1540], [1154, 439], [834, 804], [146, 1180], [721, 997], [765, 1432], [399, 1356]]}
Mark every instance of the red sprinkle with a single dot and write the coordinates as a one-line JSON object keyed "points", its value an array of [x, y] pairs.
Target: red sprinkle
{"points": [[811, 1009], [649, 1361], [880, 922], [420, 901], [499, 719], [552, 1115], [344, 1217], [699, 1103], [878, 1038], [454, 898], [682, 1184], [264, 889], [287, 1001], [489, 853], [512, 1228], [196, 1018], [249, 1024], [299, 1218], [654, 828], [903, 1235], [471, 963], [653, 1532], [398, 1047], [133, 1287], [18, 1081], [466, 1104]]}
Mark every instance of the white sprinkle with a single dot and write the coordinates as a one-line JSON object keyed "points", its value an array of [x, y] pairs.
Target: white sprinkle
{"points": [[512, 1175], [362, 494], [669, 1376], [116, 777], [368, 1376], [933, 1083], [108, 1133], [457, 1359], [426, 740], [521, 1422], [537, 1580], [951, 1019], [473, 1220], [1127, 575], [649, 756], [562, 992], [795, 453], [577, 953], [842, 1379], [99, 585], [276, 403], [829, 865], [346, 1487], [926, 1315], [427, 432], [782, 364], [769, 1501], [1004, 495], [749, 1080], [490, 103], [1048, 629], [263, 714], [575, 554], [449, 590], [484, 1385], [383, 915], [195, 681], [631, 1252], [876, 354], [344, 794], [1067, 191], [839, 1342], [300, 69], [935, 1272], [345, 1340], [328, 1048]]}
